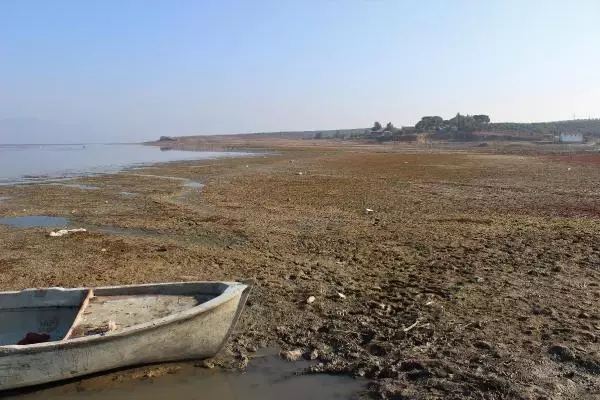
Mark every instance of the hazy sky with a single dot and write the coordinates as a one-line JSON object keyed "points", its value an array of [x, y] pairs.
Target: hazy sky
{"points": [[131, 70]]}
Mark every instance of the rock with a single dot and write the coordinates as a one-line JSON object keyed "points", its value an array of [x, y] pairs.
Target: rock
{"points": [[380, 349], [208, 364], [310, 300], [375, 304], [418, 374], [409, 365], [312, 355], [103, 250], [291, 355], [341, 295], [388, 372], [243, 359], [482, 344], [252, 348], [479, 279], [320, 367], [561, 353]]}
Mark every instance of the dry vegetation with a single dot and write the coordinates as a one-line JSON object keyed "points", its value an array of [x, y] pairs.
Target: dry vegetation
{"points": [[492, 261]]}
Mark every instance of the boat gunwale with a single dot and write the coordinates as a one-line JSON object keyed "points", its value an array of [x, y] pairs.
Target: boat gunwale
{"points": [[230, 292]]}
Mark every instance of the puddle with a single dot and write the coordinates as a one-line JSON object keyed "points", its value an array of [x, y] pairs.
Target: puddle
{"points": [[45, 221], [77, 186], [34, 221], [4, 198], [188, 183], [128, 193], [193, 185], [266, 378]]}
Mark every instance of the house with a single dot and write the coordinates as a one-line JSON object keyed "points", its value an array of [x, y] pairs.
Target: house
{"points": [[570, 138]]}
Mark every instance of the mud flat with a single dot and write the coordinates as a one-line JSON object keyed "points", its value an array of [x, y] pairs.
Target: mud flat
{"points": [[474, 275]]}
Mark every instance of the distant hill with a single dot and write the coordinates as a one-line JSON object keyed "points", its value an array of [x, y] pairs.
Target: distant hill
{"points": [[587, 127]]}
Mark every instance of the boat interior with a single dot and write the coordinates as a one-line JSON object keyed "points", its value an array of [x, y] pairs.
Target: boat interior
{"points": [[42, 315]]}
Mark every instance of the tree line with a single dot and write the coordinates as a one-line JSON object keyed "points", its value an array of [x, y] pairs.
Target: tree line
{"points": [[465, 127]]}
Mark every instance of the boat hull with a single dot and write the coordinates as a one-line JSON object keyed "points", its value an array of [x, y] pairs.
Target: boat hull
{"points": [[196, 334]]}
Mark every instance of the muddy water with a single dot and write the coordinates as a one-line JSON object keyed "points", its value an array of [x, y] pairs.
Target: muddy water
{"points": [[267, 377], [33, 221]]}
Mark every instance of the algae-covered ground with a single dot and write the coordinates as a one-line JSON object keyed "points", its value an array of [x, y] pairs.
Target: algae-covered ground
{"points": [[475, 275]]}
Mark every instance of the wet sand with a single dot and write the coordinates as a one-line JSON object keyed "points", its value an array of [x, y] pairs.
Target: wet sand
{"points": [[475, 276]]}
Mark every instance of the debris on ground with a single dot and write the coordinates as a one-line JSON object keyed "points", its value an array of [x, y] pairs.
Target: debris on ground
{"points": [[63, 232]]}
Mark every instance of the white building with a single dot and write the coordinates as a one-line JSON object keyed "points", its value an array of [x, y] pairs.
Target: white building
{"points": [[571, 138]]}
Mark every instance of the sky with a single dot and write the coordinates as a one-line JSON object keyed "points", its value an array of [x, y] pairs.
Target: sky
{"points": [[130, 70]]}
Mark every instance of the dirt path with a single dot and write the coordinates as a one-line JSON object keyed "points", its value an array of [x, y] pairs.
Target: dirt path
{"points": [[475, 276]]}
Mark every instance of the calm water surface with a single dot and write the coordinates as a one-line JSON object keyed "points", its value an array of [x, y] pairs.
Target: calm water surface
{"points": [[31, 163]]}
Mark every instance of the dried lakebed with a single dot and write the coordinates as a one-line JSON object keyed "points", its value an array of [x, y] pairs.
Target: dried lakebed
{"points": [[475, 281]]}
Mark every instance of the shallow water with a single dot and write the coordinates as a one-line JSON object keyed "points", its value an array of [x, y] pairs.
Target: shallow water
{"points": [[34, 163], [35, 221], [77, 186], [266, 378], [193, 185]]}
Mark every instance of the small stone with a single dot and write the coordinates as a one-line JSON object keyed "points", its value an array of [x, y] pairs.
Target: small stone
{"points": [[291, 355], [208, 364], [244, 360], [388, 372], [320, 367], [103, 250], [418, 374], [112, 326], [312, 355], [561, 353], [341, 295], [311, 300], [410, 365], [482, 344], [479, 279]]}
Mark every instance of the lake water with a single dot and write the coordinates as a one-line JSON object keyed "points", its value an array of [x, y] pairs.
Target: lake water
{"points": [[31, 163], [266, 378]]}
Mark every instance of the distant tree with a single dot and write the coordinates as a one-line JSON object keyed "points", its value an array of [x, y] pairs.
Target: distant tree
{"points": [[429, 124], [482, 119], [390, 127], [376, 126], [319, 135], [339, 135]]}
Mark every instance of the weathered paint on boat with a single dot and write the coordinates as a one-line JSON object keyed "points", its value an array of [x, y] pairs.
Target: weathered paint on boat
{"points": [[197, 332]]}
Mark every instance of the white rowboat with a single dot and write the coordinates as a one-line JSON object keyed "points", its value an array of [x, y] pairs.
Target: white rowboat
{"points": [[75, 332]]}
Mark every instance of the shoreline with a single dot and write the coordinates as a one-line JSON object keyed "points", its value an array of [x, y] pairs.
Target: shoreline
{"points": [[447, 287]]}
